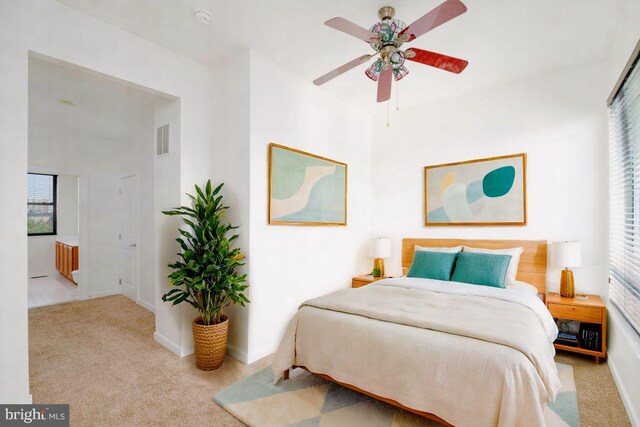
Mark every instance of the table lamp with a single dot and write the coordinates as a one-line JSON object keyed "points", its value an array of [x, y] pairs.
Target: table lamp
{"points": [[379, 249], [566, 255]]}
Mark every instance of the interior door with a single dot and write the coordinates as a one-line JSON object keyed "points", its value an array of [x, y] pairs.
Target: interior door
{"points": [[128, 237]]}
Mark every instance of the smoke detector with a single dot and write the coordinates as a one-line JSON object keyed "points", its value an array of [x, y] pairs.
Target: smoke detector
{"points": [[202, 16]]}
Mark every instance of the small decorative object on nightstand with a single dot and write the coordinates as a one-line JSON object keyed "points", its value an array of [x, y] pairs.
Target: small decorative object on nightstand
{"points": [[567, 254], [591, 312], [378, 249], [360, 281]]}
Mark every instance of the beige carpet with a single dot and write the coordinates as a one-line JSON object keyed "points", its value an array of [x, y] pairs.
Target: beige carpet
{"points": [[599, 402], [100, 357]]}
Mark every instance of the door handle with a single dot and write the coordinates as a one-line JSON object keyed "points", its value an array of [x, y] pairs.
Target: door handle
{"points": [[132, 246]]}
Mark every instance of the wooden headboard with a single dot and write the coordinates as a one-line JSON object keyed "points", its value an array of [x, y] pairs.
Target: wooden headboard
{"points": [[533, 261]]}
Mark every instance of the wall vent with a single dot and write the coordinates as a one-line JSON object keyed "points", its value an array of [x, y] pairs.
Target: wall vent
{"points": [[162, 140]]}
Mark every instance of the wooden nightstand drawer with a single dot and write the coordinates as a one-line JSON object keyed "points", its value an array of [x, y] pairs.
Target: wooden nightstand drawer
{"points": [[357, 283], [365, 279], [583, 314]]}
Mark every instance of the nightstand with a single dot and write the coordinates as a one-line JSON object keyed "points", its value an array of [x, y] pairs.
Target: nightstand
{"points": [[364, 280], [591, 312]]}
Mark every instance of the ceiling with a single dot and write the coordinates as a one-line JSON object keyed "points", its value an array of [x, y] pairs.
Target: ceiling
{"points": [[502, 39], [102, 109]]}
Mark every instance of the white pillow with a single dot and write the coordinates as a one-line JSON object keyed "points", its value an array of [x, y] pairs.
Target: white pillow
{"points": [[512, 270], [449, 250], [523, 286]]}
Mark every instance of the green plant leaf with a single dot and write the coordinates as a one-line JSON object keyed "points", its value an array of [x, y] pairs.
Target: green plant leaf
{"points": [[206, 276]]}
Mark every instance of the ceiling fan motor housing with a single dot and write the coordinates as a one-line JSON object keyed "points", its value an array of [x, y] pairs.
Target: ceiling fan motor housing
{"points": [[386, 12]]}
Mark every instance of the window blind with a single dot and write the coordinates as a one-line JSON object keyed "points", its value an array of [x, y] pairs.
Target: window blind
{"points": [[41, 204], [624, 194]]}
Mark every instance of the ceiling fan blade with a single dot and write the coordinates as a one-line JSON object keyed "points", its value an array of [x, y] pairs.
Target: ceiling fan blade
{"points": [[342, 69], [384, 85], [350, 28], [438, 60], [438, 16]]}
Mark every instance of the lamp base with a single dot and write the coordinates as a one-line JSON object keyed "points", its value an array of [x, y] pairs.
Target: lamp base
{"points": [[378, 264], [567, 288]]}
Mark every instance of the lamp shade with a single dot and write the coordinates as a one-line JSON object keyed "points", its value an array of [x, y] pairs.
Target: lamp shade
{"points": [[567, 254], [380, 248]]}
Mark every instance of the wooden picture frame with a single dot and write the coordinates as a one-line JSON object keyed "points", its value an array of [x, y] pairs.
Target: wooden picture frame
{"points": [[316, 187], [495, 186]]}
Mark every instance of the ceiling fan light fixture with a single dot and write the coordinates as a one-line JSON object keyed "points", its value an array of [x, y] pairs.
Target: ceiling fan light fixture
{"points": [[400, 72], [373, 72]]}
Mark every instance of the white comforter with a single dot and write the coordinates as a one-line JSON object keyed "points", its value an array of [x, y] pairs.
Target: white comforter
{"points": [[472, 355]]}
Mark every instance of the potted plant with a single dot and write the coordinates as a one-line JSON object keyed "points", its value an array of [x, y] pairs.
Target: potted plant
{"points": [[206, 275]]}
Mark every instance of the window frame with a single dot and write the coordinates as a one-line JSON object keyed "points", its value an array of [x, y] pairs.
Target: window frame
{"points": [[54, 204], [618, 277]]}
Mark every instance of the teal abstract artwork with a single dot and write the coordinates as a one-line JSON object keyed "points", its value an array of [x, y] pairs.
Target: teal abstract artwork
{"points": [[477, 192], [305, 189]]}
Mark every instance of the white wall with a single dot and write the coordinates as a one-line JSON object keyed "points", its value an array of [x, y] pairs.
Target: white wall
{"points": [[623, 342], [558, 119], [167, 184], [51, 29], [291, 264], [42, 259], [231, 160], [68, 200], [262, 103]]}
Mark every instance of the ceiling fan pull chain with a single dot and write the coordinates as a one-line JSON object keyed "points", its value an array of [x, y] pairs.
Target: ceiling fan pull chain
{"points": [[388, 113]]}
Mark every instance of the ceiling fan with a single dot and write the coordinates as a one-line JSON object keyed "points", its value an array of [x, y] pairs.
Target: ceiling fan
{"points": [[387, 36]]}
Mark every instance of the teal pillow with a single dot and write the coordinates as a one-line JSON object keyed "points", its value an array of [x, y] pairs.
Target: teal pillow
{"points": [[481, 269], [432, 265]]}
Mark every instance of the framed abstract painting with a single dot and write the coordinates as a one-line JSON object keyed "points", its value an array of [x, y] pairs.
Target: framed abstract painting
{"points": [[305, 189], [483, 192]]}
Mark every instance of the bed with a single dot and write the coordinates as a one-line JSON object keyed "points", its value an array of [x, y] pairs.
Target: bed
{"points": [[459, 354]]}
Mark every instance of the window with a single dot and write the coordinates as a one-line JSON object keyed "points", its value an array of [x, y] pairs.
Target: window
{"points": [[624, 193], [41, 204]]}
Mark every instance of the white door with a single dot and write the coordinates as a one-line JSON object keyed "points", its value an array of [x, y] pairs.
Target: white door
{"points": [[128, 237]]}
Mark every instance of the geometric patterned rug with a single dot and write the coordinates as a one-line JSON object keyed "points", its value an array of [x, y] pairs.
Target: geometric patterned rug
{"points": [[305, 400]]}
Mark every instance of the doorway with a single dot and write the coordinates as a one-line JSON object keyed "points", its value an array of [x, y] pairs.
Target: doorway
{"points": [[105, 130], [53, 234], [128, 237]]}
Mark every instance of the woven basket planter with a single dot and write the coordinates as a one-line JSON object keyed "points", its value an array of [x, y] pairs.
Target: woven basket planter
{"points": [[210, 343]]}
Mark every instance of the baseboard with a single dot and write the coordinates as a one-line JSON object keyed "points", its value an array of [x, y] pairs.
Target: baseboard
{"points": [[626, 399], [237, 354], [103, 294], [254, 356], [188, 351], [166, 343], [146, 305]]}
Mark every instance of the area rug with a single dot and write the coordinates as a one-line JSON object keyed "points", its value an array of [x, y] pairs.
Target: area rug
{"points": [[306, 400]]}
